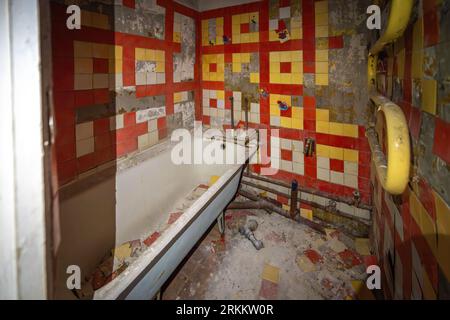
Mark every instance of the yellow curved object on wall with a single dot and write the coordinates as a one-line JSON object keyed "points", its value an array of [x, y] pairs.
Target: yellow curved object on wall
{"points": [[392, 131], [400, 12]]}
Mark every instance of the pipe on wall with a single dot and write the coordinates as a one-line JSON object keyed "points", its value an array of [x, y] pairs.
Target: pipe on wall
{"points": [[393, 170]]}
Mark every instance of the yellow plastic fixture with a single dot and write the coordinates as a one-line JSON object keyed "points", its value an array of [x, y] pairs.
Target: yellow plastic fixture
{"points": [[393, 168], [400, 12]]}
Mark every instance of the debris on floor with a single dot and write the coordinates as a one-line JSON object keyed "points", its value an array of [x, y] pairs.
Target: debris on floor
{"points": [[295, 263], [247, 231]]}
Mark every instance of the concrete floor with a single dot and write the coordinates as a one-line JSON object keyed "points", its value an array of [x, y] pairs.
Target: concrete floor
{"points": [[295, 263]]}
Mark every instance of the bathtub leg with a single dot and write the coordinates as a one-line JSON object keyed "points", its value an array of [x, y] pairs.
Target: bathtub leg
{"points": [[221, 223]]}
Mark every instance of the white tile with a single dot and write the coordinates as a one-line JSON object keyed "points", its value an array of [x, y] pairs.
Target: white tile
{"points": [[152, 125], [351, 167], [205, 102], [205, 93], [101, 81], [275, 121], [206, 111], [237, 96], [221, 113], [153, 138], [213, 94], [84, 130], [85, 147], [285, 12], [141, 78], [297, 145], [221, 104], [275, 153], [298, 168], [275, 142], [143, 141], [337, 177], [161, 78], [213, 112], [83, 82], [254, 117], [237, 115], [254, 107], [323, 163], [116, 122], [286, 144], [298, 157], [151, 78], [273, 24], [286, 165], [351, 181], [346, 208], [323, 174]]}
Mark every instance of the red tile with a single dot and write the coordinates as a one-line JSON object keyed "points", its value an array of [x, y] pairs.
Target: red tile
{"points": [[245, 28], [174, 217], [350, 258], [285, 67], [309, 102], [129, 3], [101, 65], [337, 165], [101, 96], [213, 67], [101, 126], [286, 155], [126, 147], [313, 256], [268, 290], [213, 103], [431, 28], [84, 98], [104, 141], [129, 119], [309, 67], [311, 171], [309, 125], [441, 138], [86, 162], [336, 42], [67, 171], [309, 56], [66, 152], [162, 123]]}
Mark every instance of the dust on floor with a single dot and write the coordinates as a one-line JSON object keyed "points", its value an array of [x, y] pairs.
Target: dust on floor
{"points": [[295, 263]]}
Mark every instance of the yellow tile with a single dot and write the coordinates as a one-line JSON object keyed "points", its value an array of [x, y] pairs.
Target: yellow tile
{"points": [[418, 35], [350, 130], [297, 113], [297, 78], [322, 114], [296, 34], [336, 128], [321, 7], [220, 94], [428, 228], [285, 56], [205, 25], [274, 57], [100, 50], [274, 98], [219, 22], [86, 18], [273, 36], [274, 110], [274, 67], [297, 123], [177, 97], [160, 67], [323, 151], [415, 206], [275, 78], [177, 37], [220, 67], [83, 66], [286, 122], [321, 31], [160, 56], [212, 76], [417, 64], [321, 67], [429, 92], [322, 55], [296, 23], [115, 52], [236, 38], [336, 153], [351, 155], [271, 273], [220, 58], [245, 57], [237, 67], [236, 19], [297, 56], [297, 67], [362, 246], [254, 37], [236, 58], [139, 54], [245, 18], [321, 19], [205, 76], [306, 213], [254, 77], [115, 66], [82, 49], [245, 38], [321, 79], [322, 127], [286, 78], [443, 231]]}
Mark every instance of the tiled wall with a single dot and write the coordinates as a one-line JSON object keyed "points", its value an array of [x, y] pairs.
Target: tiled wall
{"points": [[412, 231], [123, 82], [309, 56]]}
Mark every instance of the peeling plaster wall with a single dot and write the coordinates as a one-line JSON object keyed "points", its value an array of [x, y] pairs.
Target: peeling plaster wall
{"points": [[412, 231]]}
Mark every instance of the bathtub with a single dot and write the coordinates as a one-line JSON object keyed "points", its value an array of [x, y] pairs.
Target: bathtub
{"points": [[146, 188]]}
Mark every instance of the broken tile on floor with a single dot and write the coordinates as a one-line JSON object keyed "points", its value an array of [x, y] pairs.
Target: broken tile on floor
{"points": [[305, 264], [174, 217], [269, 290], [313, 256], [271, 273], [361, 290], [350, 258], [336, 245]]}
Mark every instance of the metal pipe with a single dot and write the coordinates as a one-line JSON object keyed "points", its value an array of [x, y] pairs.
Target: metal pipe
{"points": [[294, 195], [232, 112], [246, 107], [309, 191], [309, 203]]}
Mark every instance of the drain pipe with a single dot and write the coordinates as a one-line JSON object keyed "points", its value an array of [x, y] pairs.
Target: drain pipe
{"points": [[232, 112], [294, 195]]}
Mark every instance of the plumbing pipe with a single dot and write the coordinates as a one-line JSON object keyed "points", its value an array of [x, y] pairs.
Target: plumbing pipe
{"points": [[232, 112], [309, 203], [399, 14], [266, 204], [393, 172], [309, 191]]}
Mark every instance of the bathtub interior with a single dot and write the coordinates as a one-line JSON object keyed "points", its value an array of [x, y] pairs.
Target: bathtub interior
{"points": [[129, 205]]}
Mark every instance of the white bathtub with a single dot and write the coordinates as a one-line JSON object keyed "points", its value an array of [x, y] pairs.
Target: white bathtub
{"points": [[146, 189]]}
